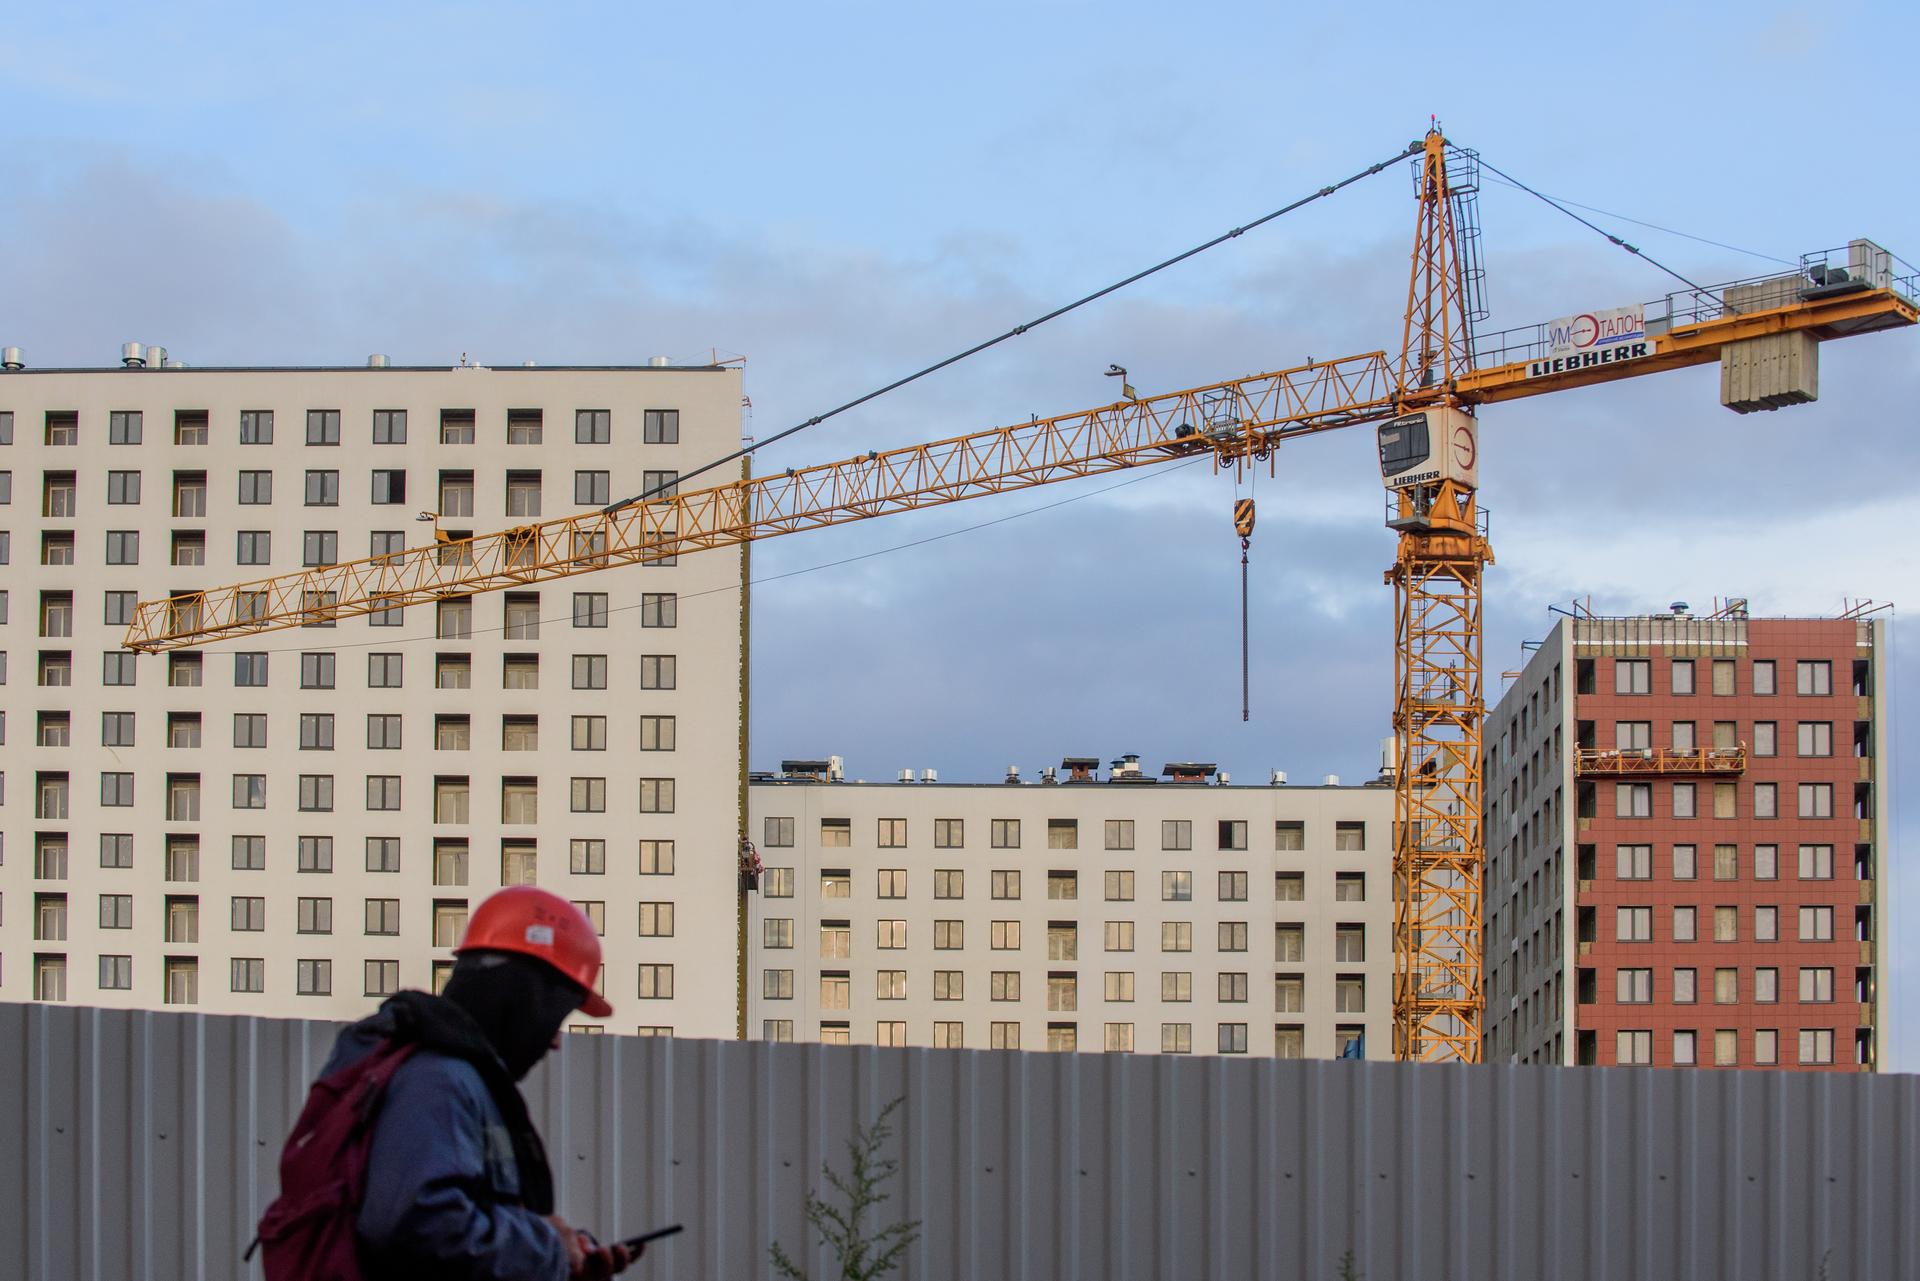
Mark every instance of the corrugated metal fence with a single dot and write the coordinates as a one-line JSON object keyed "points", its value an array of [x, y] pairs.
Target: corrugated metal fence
{"points": [[143, 1145]]}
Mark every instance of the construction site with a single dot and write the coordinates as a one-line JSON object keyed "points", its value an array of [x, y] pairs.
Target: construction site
{"points": [[1586, 973]]}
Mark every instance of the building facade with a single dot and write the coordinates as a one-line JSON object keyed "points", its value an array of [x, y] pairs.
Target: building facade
{"points": [[1685, 826], [298, 823], [1125, 914]]}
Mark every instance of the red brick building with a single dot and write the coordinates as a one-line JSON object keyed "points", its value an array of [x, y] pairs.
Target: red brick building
{"points": [[1684, 831]]}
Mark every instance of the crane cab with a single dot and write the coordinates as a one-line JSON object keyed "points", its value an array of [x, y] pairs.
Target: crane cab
{"points": [[1429, 446]]}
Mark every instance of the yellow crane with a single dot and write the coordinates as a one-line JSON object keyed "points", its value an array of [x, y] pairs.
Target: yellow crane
{"points": [[1764, 332]]}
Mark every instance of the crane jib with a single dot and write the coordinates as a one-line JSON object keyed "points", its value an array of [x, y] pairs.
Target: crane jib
{"points": [[1612, 355]]}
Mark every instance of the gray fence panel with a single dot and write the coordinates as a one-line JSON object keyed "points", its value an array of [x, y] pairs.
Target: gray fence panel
{"points": [[144, 1145]]}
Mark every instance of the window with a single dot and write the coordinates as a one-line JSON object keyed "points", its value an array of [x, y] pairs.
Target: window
{"points": [[1766, 800], [834, 987], [1685, 923], [1119, 936], [1816, 862], [1726, 924], [1231, 936], [658, 671], [949, 936], [1004, 936], [1685, 1047], [383, 791], [314, 915], [1633, 736], [1766, 924], [660, 483], [525, 426], [1063, 991], [1816, 800], [1119, 886], [1063, 885], [1063, 834], [589, 609], [1232, 887], [523, 494], [1350, 943], [315, 853], [1176, 936], [1816, 924], [776, 985], [1289, 942], [656, 920], [660, 427], [1816, 738], [1633, 924], [1176, 834], [656, 796], [1176, 887], [1816, 984], [1723, 674], [1176, 1038], [256, 426], [383, 853], [316, 792], [589, 733], [1816, 1045], [659, 609], [1685, 986], [1726, 862], [456, 426], [116, 849], [890, 985], [316, 732], [1632, 676], [522, 734], [1683, 736], [893, 884], [1634, 862], [1635, 1047], [949, 883], [1763, 676], [58, 494], [123, 547], [1004, 834], [116, 788], [1004, 884], [1726, 986], [1003, 985], [892, 833], [656, 859], [519, 800], [249, 791], [1289, 887], [247, 974], [323, 426], [124, 427], [1232, 834], [777, 933], [1119, 833], [1813, 677], [1634, 800], [836, 884], [1682, 675], [313, 978], [1289, 834], [316, 671]]}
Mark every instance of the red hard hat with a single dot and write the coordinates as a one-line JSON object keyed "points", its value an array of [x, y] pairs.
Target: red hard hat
{"points": [[536, 922]]}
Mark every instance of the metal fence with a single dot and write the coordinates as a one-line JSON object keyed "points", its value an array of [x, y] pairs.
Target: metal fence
{"points": [[144, 1145]]}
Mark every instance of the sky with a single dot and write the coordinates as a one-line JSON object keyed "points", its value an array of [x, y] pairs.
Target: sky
{"points": [[843, 192]]}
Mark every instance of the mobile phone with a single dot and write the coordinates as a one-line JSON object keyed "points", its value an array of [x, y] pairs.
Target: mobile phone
{"points": [[634, 1243]]}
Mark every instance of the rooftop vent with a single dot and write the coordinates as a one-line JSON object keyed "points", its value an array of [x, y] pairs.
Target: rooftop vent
{"points": [[1188, 771], [659, 362], [1223, 778], [376, 361], [817, 771], [1127, 766], [1013, 773], [156, 358], [906, 776], [133, 355], [1332, 780], [1278, 778], [1048, 775], [836, 769], [1080, 769], [11, 358], [929, 775]]}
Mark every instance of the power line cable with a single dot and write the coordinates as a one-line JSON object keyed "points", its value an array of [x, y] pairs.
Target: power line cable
{"points": [[1017, 330], [388, 642], [1635, 250]]}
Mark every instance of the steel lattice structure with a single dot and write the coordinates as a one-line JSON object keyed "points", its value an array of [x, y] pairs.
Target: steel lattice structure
{"points": [[1439, 853]]}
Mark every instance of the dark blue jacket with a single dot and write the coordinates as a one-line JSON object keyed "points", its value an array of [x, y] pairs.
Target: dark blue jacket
{"points": [[442, 1184]]}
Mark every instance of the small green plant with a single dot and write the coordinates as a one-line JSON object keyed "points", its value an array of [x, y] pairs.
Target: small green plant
{"points": [[863, 1253], [1349, 1266]]}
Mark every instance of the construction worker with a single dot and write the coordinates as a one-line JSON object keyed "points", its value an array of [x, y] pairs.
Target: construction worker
{"points": [[452, 1178]]}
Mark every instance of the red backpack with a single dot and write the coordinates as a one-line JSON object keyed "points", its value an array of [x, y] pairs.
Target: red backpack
{"points": [[307, 1232]]}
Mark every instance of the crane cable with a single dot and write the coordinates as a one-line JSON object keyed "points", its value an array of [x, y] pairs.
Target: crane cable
{"points": [[1412, 148], [1635, 250]]}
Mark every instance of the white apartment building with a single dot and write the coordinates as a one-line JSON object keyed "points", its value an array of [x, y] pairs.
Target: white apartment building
{"points": [[297, 823], [1074, 913]]}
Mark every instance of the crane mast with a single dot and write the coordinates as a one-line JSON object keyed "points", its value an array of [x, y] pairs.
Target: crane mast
{"points": [[1429, 456]]}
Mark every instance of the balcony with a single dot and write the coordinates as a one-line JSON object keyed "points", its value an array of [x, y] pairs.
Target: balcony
{"points": [[1593, 762]]}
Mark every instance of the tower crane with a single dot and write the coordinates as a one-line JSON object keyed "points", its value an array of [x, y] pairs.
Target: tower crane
{"points": [[1764, 332]]}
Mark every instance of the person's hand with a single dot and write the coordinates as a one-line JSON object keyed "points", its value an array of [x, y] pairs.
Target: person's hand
{"points": [[589, 1259]]}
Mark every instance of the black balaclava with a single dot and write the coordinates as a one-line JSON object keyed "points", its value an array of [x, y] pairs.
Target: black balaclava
{"points": [[518, 1001]]}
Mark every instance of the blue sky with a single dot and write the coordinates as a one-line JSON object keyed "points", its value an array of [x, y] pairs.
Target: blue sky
{"points": [[843, 191]]}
